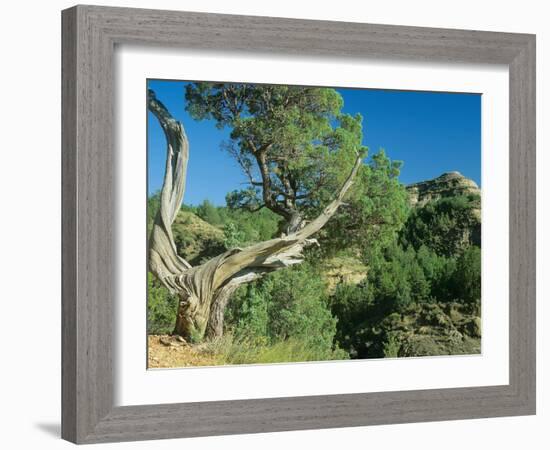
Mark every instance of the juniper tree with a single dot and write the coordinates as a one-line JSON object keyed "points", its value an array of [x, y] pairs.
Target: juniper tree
{"points": [[300, 155]]}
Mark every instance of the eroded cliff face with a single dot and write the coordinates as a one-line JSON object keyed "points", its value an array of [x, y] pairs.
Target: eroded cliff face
{"points": [[449, 184]]}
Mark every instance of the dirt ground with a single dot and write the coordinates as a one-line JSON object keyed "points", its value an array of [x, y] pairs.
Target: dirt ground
{"points": [[168, 351]]}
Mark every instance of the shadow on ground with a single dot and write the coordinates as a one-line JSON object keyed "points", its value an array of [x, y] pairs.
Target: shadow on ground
{"points": [[53, 429]]}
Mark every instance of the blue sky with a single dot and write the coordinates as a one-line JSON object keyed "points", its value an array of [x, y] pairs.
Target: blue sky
{"points": [[430, 132]]}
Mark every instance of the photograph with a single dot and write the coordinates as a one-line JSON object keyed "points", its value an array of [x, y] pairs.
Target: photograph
{"points": [[303, 223], [264, 226]]}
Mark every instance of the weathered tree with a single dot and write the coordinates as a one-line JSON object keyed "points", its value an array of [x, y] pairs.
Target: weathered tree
{"points": [[293, 156], [293, 143], [295, 147]]}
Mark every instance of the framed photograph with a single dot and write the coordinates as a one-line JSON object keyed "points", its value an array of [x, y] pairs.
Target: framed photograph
{"points": [[277, 224]]}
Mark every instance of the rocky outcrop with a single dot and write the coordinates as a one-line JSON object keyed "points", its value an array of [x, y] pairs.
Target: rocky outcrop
{"points": [[445, 215], [343, 269], [433, 329], [421, 329], [450, 184]]}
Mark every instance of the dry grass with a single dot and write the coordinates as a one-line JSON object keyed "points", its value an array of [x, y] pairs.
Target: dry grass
{"points": [[168, 352]]}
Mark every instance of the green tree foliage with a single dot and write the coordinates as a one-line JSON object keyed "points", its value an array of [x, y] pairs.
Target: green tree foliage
{"points": [[161, 307], [447, 226], [232, 236], [467, 276], [397, 279], [439, 272], [398, 282], [290, 304], [374, 211], [291, 142], [251, 226], [209, 213], [296, 147]]}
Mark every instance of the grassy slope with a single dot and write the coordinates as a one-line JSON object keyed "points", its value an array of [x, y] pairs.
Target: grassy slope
{"points": [[196, 239]]}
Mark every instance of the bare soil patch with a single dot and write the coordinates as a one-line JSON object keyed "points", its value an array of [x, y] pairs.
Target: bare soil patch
{"points": [[167, 351]]}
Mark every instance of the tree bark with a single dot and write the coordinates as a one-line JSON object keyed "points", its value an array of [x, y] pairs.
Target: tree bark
{"points": [[214, 327], [296, 222], [163, 257], [205, 290]]}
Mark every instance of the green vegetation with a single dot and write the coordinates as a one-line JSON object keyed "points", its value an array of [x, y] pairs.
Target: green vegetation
{"points": [[414, 294], [374, 211], [397, 271], [294, 144], [421, 299], [447, 225], [161, 308], [228, 350], [289, 304]]}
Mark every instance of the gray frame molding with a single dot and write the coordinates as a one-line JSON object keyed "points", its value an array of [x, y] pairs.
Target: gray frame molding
{"points": [[89, 37]]}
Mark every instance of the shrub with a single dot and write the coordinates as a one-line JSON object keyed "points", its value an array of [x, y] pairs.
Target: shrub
{"points": [[161, 307], [248, 314], [466, 279], [446, 226], [232, 236], [352, 305], [252, 226], [209, 213], [290, 304], [392, 346], [397, 282]]}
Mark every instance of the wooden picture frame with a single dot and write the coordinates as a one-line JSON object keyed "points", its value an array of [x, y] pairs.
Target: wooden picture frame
{"points": [[90, 34]]}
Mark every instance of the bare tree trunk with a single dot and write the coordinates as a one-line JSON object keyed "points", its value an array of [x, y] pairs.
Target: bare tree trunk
{"points": [[296, 222], [214, 327], [205, 290], [163, 257]]}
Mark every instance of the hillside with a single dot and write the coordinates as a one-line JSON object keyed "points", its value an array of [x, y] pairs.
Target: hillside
{"points": [[418, 295], [195, 238], [445, 215], [449, 184]]}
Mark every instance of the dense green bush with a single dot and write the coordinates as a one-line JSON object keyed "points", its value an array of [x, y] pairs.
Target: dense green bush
{"points": [[161, 308], [447, 226], [397, 281], [397, 278], [467, 276], [288, 304], [209, 213], [254, 226], [373, 212], [232, 236]]}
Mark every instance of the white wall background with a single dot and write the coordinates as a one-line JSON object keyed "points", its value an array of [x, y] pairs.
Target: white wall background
{"points": [[30, 223]]}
